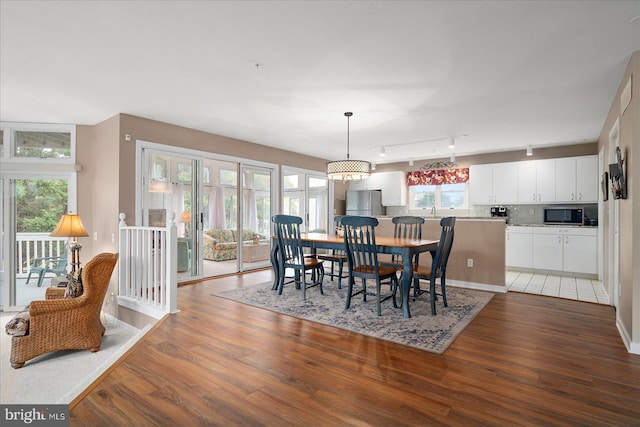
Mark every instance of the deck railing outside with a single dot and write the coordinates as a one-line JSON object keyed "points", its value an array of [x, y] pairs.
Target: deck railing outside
{"points": [[31, 246], [148, 266]]}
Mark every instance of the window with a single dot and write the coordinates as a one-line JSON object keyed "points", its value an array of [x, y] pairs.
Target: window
{"points": [[228, 177], [290, 182], [43, 145], [440, 196]]}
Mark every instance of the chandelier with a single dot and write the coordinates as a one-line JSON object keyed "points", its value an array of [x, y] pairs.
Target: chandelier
{"points": [[348, 170]]}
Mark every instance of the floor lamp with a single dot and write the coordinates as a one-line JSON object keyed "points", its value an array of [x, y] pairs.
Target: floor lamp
{"points": [[70, 225]]}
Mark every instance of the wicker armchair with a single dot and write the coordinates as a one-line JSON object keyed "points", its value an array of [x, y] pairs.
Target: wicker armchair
{"points": [[67, 324]]}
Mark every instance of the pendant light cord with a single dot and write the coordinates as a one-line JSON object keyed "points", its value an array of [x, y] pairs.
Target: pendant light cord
{"points": [[348, 114]]}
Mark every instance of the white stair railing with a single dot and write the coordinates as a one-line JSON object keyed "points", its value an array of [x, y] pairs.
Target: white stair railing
{"points": [[148, 266]]}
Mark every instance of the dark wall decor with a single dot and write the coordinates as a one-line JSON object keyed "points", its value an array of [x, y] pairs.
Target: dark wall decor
{"points": [[617, 174]]}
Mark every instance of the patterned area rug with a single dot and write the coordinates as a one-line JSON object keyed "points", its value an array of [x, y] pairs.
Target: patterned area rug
{"points": [[422, 330]]}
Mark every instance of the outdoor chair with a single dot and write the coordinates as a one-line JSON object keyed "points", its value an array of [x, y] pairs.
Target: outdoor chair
{"points": [[291, 255], [41, 266], [336, 256], [362, 256], [60, 323], [438, 267]]}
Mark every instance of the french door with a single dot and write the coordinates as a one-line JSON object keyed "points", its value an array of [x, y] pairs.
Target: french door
{"points": [[307, 194], [32, 207], [223, 208]]}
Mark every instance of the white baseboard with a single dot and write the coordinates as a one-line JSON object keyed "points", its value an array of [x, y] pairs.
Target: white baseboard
{"points": [[632, 347], [479, 286], [141, 308]]}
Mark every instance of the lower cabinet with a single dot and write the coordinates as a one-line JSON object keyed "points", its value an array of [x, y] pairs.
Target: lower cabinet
{"points": [[519, 251], [566, 249], [562, 249]]}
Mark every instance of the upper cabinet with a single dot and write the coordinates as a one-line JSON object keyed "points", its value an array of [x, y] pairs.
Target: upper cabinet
{"points": [[566, 180], [490, 184], [392, 184], [577, 179]]}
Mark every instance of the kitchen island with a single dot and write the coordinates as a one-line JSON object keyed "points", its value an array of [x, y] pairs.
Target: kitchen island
{"points": [[481, 240]]}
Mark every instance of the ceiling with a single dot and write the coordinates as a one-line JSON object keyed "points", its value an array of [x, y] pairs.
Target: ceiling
{"points": [[503, 74]]}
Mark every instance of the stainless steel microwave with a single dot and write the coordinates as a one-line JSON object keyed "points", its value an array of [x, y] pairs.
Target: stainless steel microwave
{"points": [[563, 216]]}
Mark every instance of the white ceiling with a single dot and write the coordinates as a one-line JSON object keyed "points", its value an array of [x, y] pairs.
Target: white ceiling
{"points": [[506, 74]]}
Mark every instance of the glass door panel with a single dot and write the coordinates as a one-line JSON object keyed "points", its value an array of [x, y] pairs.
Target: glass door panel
{"points": [[318, 204], [173, 189], [220, 222], [256, 221], [37, 207]]}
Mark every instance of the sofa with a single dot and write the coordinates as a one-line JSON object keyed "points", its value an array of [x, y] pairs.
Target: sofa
{"points": [[222, 245]]}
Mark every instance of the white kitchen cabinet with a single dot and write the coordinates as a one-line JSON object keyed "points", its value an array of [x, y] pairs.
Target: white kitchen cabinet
{"points": [[481, 184], [493, 184], [566, 180], [519, 249], [394, 188], [370, 183], [587, 185], [565, 249], [527, 188], [505, 183], [547, 248], [392, 184], [546, 180], [580, 251], [537, 181], [577, 179]]}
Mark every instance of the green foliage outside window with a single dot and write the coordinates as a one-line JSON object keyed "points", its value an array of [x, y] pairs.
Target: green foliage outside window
{"points": [[39, 204]]}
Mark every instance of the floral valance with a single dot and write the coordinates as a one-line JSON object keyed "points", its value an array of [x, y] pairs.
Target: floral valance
{"points": [[438, 177]]}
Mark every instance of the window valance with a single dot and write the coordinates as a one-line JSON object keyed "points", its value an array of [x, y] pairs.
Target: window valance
{"points": [[438, 177]]}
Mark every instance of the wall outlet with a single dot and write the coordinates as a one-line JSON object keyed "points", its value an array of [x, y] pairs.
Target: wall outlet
{"points": [[470, 262]]}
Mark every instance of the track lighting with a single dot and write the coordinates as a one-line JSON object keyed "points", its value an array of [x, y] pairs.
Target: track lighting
{"points": [[529, 151], [383, 152], [452, 143], [453, 157]]}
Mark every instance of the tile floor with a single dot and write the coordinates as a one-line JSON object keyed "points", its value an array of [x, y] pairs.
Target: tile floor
{"points": [[557, 286]]}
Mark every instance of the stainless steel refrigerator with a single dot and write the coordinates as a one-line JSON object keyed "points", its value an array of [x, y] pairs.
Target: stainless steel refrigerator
{"points": [[364, 203]]}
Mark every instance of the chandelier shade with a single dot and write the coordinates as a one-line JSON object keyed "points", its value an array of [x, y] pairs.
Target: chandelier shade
{"points": [[348, 170]]}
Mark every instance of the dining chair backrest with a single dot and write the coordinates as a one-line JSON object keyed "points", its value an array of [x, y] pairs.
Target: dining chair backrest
{"points": [[439, 264], [407, 226], [287, 229], [360, 243]]}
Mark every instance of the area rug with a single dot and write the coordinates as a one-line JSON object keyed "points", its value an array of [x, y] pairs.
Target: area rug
{"points": [[424, 331], [59, 377]]}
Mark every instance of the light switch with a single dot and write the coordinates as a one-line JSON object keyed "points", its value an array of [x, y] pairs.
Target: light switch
{"points": [[95, 235]]}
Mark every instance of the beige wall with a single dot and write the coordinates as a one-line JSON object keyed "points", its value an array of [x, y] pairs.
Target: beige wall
{"points": [[628, 312], [480, 240]]}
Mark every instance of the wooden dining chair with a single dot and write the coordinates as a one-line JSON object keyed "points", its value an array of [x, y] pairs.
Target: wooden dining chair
{"points": [[438, 267], [291, 255], [362, 256], [405, 227], [336, 256]]}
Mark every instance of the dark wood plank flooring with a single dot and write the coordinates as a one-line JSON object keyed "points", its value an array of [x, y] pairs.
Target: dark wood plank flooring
{"points": [[524, 360]]}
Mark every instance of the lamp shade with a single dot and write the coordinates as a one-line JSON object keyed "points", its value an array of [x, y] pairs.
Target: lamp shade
{"points": [[70, 225], [348, 170]]}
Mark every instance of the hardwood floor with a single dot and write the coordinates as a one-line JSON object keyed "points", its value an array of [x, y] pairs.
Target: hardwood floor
{"points": [[524, 360]]}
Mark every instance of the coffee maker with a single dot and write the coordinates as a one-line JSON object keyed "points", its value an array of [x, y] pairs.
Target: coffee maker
{"points": [[499, 211]]}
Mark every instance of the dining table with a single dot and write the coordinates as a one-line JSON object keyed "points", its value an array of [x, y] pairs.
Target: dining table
{"points": [[405, 247]]}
